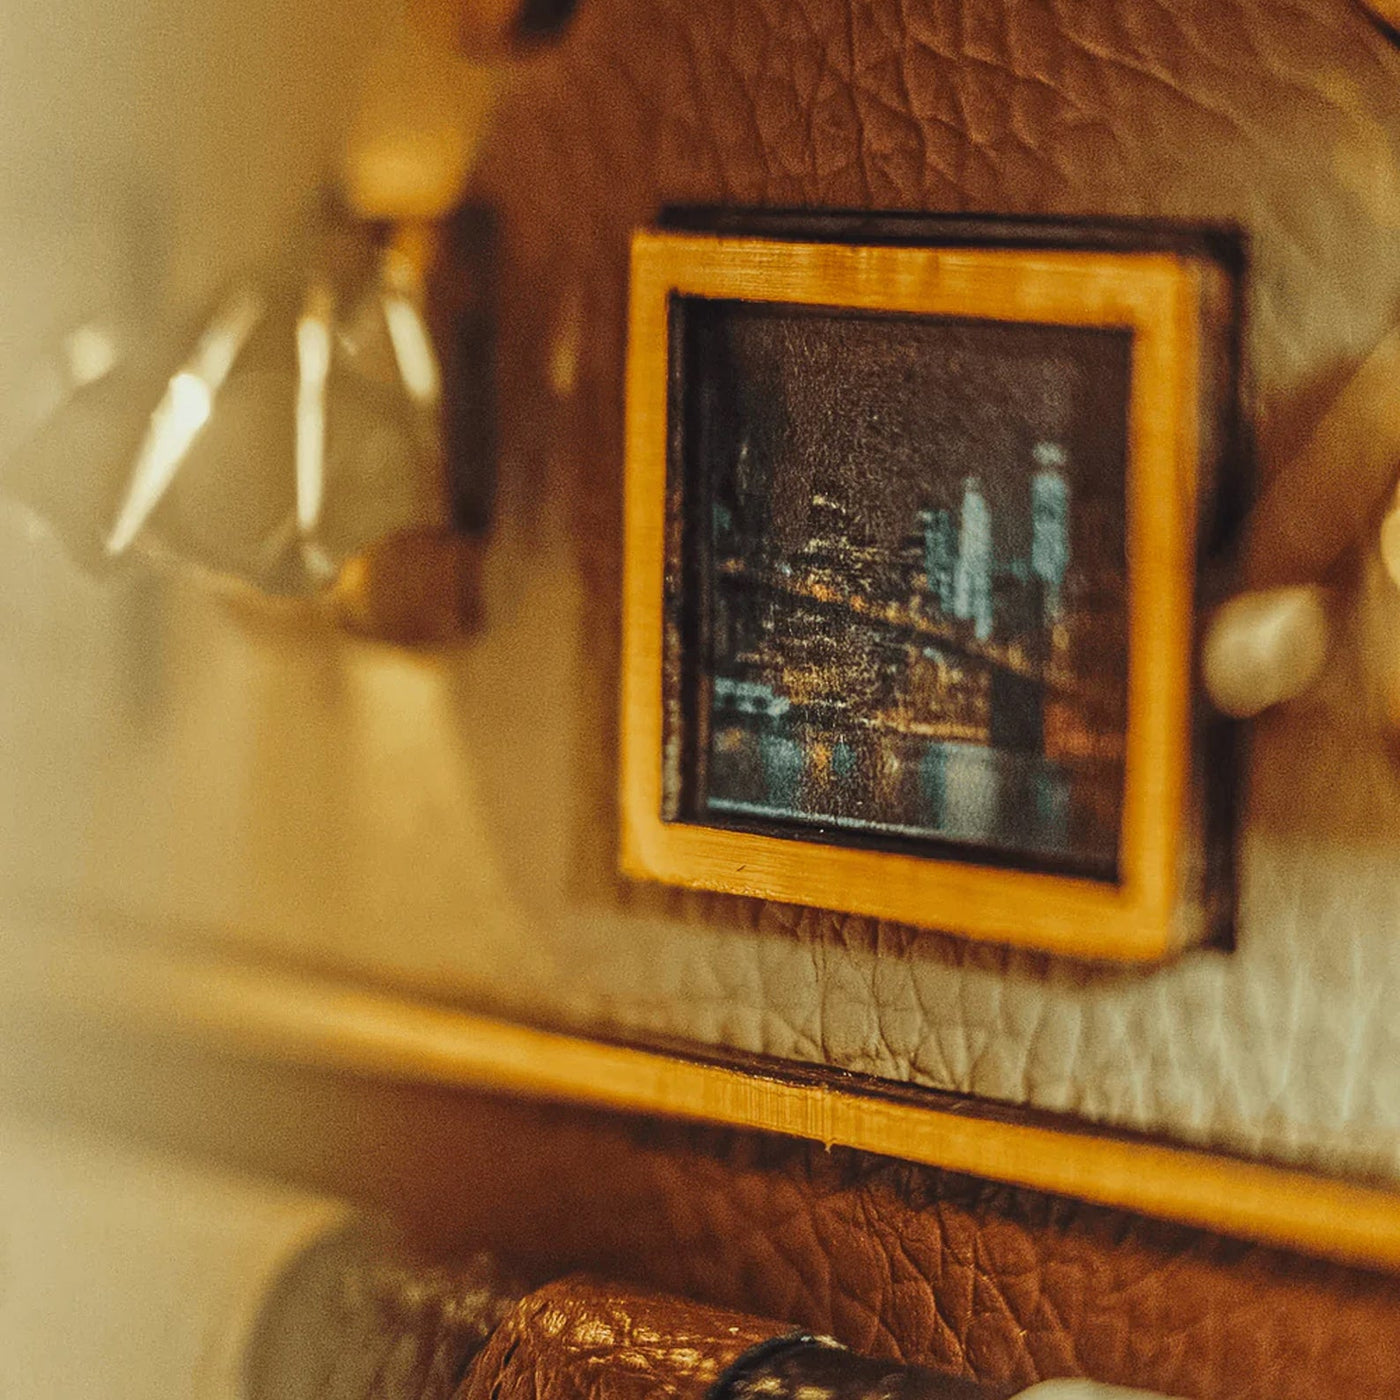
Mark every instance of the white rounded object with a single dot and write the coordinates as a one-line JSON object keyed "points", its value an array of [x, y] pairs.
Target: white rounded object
{"points": [[1265, 647]]}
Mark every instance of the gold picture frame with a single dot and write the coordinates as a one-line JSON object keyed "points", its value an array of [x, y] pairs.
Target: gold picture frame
{"points": [[1156, 296]]}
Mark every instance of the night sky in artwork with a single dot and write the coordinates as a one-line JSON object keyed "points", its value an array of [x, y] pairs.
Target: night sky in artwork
{"points": [[895, 411]]}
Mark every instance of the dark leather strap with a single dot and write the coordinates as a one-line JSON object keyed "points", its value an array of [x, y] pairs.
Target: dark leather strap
{"points": [[802, 1367]]}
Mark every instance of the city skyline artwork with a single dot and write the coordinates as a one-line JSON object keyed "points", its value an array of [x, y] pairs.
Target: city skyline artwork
{"points": [[914, 608]]}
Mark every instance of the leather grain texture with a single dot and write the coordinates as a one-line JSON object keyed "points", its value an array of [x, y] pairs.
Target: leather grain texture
{"points": [[583, 1339], [1001, 1286], [997, 1285]]}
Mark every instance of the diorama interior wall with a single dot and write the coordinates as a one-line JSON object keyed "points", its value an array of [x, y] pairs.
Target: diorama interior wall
{"points": [[173, 766]]}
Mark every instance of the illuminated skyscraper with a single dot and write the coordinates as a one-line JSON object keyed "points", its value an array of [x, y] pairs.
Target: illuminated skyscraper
{"points": [[940, 555], [1050, 525], [972, 577]]}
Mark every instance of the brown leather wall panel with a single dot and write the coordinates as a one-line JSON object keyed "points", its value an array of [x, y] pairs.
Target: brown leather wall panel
{"points": [[995, 1284]]}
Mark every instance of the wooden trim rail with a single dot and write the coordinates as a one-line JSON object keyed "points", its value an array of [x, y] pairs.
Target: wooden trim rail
{"points": [[289, 1017]]}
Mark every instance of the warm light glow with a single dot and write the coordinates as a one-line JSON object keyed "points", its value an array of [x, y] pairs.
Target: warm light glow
{"points": [[313, 370], [1390, 543], [565, 352], [417, 360], [182, 412], [221, 343], [175, 424], [1265, 647], [91, 352]]}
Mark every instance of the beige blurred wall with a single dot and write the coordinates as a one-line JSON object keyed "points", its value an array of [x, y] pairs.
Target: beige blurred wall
{"points": [[148, 149], [171, 764]]}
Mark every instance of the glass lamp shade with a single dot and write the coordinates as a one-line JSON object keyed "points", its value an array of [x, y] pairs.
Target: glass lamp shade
{"points": [[293, 430]]}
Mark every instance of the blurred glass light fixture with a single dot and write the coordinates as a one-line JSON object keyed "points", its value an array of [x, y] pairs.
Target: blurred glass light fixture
{"points": [[293, 440], [298, 428]]}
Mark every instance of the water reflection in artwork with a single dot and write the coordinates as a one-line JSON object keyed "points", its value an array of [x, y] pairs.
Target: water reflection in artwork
{"points": [[914, 604]]}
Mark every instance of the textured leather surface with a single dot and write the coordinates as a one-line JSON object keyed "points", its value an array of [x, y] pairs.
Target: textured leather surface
{"points": [[581, 1339], [1003, 1286], [1280, 117], [449, 823]]}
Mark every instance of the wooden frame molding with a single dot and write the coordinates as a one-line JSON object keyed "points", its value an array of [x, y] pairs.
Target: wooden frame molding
{"points": [[1155, 295], [289, 1017]]}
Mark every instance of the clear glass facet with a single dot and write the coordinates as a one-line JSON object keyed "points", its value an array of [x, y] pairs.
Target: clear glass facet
{"points": [[293, 428]]}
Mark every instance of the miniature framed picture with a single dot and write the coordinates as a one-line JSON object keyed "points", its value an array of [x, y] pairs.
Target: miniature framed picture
{"points": [[914, 518]]}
